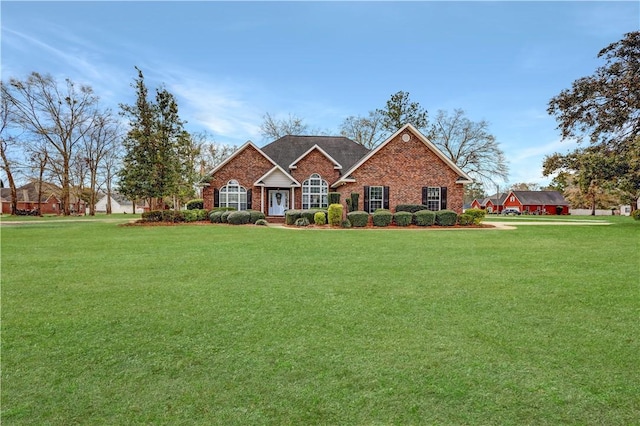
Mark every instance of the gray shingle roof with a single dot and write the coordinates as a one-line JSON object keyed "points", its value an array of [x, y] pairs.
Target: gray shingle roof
{"points": [[541, 198], [287, 149]]}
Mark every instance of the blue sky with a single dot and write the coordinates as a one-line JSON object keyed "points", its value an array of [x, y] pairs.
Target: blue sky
{"points": [[229, 63]]}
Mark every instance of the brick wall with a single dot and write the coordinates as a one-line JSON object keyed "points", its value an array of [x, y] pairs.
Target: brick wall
{"points": [[314, 162], [246, 167], [405, 167]]}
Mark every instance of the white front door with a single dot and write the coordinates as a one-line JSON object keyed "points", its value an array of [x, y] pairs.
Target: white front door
{"points": [[278, 202]]}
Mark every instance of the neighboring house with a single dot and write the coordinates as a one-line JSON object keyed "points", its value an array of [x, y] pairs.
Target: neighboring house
{"points": [[298, 172], [537, 202], [119, 204], [492, 204], [28, 198]]}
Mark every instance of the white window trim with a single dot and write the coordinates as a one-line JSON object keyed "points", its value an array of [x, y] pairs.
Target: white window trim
{"points": [[323, 192], [241, 194], [373, 200]]}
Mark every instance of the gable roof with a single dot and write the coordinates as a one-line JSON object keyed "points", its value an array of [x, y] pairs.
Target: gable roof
{"points": [[290, 149], [463, 177], [540, 198]]}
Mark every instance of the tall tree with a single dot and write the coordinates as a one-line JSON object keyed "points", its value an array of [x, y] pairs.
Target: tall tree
{"points": [[59, 114], [470, 146], [400, 110], [7, 143], [367, 131], [605, 107], [158, 160]]}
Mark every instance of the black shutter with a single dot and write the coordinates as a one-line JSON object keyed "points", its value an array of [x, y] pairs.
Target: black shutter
{"points": [[425, 195], [385, 197], [249, 199], [443, 198], [366, 199], [216, 198]]}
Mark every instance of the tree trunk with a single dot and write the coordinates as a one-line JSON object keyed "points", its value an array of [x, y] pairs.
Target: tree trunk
{"points": [[12, 183]]}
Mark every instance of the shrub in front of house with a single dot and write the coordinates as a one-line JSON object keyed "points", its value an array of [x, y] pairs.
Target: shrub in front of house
{"points": [[354, 201], [195, 215], [346, 223], [262, 222], [446, 217], [310, 213], [216, 216], [403, 218], [333, 198], [411, 208], [358, 219], [302, 221], [255, 216], [291, 216], [477, 214], [349, 205], [320, 218], [334, 214], [172, 216], [382, 218], [152, 216], [225, 216], [240, 217], [636, 214], [425, 217], [465, 219], [197, 203]]}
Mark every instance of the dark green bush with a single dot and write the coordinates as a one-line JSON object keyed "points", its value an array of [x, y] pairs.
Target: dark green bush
{"points": [[152, 216], [310, 213], [382, 218], [411, 208], [172, 216], [424, 217], [477, 214], [636, 214], [465, 219], [358, 219], [255, 216], [349, 205], [334, 198], [291, 216], [225, 215], [446, 217], [194, 204], [403, 218], [302, 221], [346, 223], [334, 214], [320, 218], [241, 217], [195, 215], [216, 216], [262, 222]]}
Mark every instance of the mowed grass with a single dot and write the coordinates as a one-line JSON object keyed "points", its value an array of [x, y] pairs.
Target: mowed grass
{"points": [[227, 325]]}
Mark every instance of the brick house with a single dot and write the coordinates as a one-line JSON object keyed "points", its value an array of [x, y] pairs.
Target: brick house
{"points": [[27, 198], [537, 202], [298, 172]]}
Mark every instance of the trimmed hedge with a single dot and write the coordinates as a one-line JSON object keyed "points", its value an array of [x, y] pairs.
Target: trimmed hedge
{"points": [[446, 217], [241, 217], [216, 216], [425, 217], [291, 216], [354, 201], [411, 208], [197, 203], [334, 215], [320, 218], [262, 222], [225, 215], [152, 216], [466, 219], [333, 198], [310, 213], [403, 218], [382, 218], [477, 214], [172, 216], [358, 219], [255, 216], [635, 214], [346, 223], [195, 215]]}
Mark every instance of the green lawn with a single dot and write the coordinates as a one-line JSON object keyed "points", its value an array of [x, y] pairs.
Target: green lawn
{"points": [[227, 325]]}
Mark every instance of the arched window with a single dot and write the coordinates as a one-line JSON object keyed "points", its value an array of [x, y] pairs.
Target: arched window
{"points": [[233, 195], [314, 192]]}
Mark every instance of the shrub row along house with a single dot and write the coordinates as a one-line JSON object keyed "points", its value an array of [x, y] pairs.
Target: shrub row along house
{"points": [[298, 172], [531, 202]]}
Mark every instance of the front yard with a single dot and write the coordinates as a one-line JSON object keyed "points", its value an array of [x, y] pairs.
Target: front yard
{"points": [[260, 325]]}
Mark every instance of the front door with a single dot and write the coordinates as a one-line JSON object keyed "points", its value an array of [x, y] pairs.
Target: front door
{"points": [[278, 202]]}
